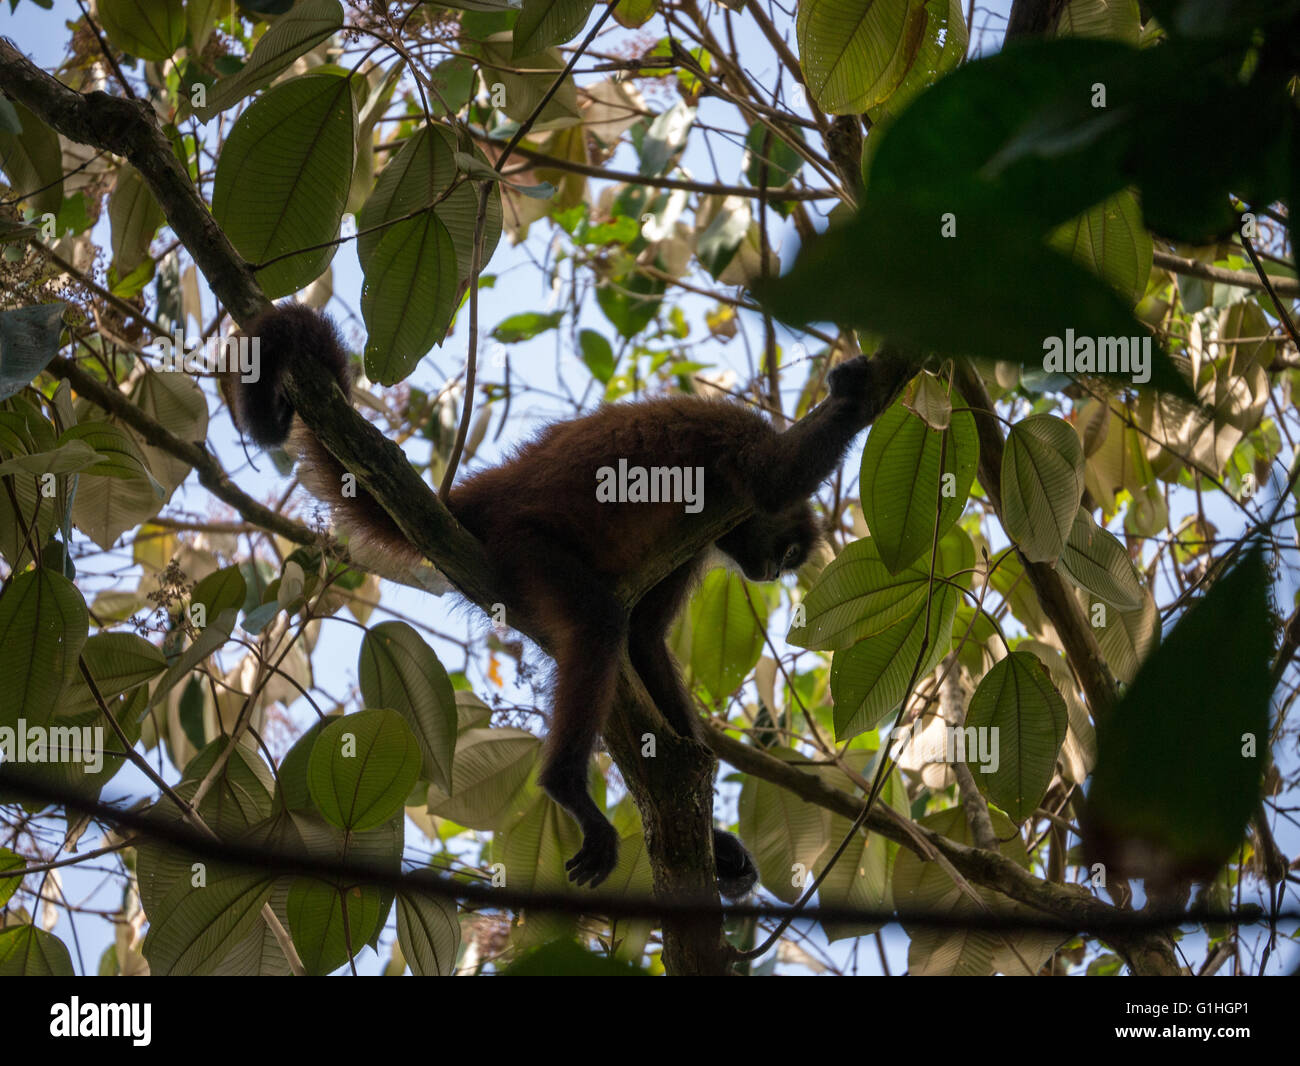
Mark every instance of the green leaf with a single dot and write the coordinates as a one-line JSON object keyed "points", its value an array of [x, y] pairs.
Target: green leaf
{"points": [[26, 951], [726, 638], [428, 931], [1095, 561], [321, 932], [362, 767], [632, 14], [1110, 240], [523, 92], [193, 928], [33, 161], [856, 597], [855, 53], [491, 769], [150, 29], [221, 590], [417, 176], [176, 403], [118, 455], [630, 301], [525, 326], [542, 23], [783, 832], [1018, 700], [783, 162], [597, 354], [1125, 637], [869, 679], [903, 484], [43, 627], [29, 339], [399, 671], [408, 297], [1180, 759], [296, 33], [283, 177], [943, 46], [135, 216], [1042, 480], [120, 661], [9, 885]]}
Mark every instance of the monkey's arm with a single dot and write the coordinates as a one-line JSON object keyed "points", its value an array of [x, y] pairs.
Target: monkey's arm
{"points": [[797, 461]]}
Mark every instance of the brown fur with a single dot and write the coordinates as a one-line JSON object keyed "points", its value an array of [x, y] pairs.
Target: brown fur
{"points": [[559, 551]]}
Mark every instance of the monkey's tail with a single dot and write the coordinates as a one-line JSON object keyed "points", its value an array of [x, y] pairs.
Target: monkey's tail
{"points": [[292, 336]]}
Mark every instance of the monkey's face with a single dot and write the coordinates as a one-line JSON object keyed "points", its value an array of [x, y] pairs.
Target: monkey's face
{"points": [[765, 545]]}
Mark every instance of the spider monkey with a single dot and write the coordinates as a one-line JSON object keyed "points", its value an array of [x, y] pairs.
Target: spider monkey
{"points": [[562, 550]]}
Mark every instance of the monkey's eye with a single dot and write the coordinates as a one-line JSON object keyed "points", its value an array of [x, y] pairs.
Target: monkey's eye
{"points": [[791, 554]]}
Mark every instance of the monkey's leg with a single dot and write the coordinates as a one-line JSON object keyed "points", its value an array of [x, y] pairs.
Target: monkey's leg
{"points": [[648, 628], [647, 631], [587, 628]]}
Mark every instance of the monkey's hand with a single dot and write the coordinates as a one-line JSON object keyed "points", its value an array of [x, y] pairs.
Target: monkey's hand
{"points": [[596, 858], [869, 386]]}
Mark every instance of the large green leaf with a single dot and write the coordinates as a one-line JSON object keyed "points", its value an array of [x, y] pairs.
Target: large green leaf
{"points": [[408, 297], [855, 53], [1003, 291], [194, 927], [542, 23], [420, 174], [398, 670], [1095, 561], [26, 951], [1018, 700], [869, 679], [322, 932], [1180, 759], [428, 931], [785, 834], [150, 29], [135, 216], [283, 177], [1042, 480], [1110, 240], [857, 597], [362, 767], [299, 31], [33, 161], [726, 637], [905, 491], [120, 661], [491, 770], [523, 92], [43, 627]]}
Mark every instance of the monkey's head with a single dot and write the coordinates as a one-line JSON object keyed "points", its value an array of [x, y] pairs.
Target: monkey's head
{"points": [[766, 545]]}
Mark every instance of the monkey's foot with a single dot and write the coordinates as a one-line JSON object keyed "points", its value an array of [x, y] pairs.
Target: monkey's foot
{"points": [[737, 873], [596, 858]]}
